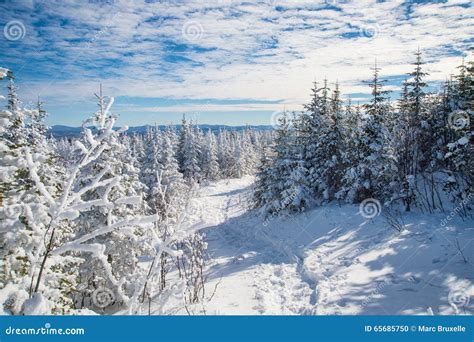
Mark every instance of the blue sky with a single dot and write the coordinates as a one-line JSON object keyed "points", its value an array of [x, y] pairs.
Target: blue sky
{"points": [[220, 61]]}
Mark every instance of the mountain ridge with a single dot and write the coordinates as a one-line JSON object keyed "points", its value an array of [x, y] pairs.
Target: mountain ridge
{"points": [[63, 131]]}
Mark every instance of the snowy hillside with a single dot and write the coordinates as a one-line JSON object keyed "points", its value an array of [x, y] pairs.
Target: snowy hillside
{"points": [[331, 260], [340, 209]]}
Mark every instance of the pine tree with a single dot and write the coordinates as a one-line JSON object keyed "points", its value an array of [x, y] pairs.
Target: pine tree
{"points": [[332, 145], [189, 152], [310, 127], [25, 218], [210, 158], [352, 155], [263, 188], [373, 173], [458, 157], [225, 154], [396, 154], [416, 139], [289, 189], [76, 196]]}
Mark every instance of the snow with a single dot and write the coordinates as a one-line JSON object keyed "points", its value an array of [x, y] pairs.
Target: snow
{"points": [[69, 214], [96, 205], [3, 73], [12, 298], [330, 260], [36, 305], [463, 141], [130, 200], [80, 146]]}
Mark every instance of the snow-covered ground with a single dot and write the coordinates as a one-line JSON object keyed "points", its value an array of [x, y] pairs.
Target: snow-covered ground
{"points": [[331, 260]]}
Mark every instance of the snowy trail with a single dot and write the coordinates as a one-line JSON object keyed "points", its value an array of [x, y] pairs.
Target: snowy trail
{"points": [[233, 266], [329, 260], [246, 265]]}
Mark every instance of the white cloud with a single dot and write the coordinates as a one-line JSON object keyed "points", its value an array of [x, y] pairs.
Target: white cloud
{"points": [[245, 50]]}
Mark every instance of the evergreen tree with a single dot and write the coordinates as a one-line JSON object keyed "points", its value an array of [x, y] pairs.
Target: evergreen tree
{"points": [[372, 174], [263, 187], [289, 189], [332, 146], [458, 157], [189, 152], [310, 126], [210, 158]]}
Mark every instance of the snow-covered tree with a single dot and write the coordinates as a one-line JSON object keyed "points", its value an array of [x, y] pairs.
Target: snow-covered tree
{"points": [[210, 157], [460, 125], [372, 174], [286, 187], [189, 152]]}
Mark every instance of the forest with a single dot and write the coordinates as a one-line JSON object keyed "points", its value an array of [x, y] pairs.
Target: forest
{"points": [[107, 223]]}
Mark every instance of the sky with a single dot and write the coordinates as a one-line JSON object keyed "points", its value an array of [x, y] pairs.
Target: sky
{"points": [[220, 61]]}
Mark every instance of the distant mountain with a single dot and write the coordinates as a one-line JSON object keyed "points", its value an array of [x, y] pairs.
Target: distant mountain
{"points": [[61, 131]]}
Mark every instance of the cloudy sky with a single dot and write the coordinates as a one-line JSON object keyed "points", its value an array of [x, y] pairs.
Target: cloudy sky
{"points": [[220, 61]]}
